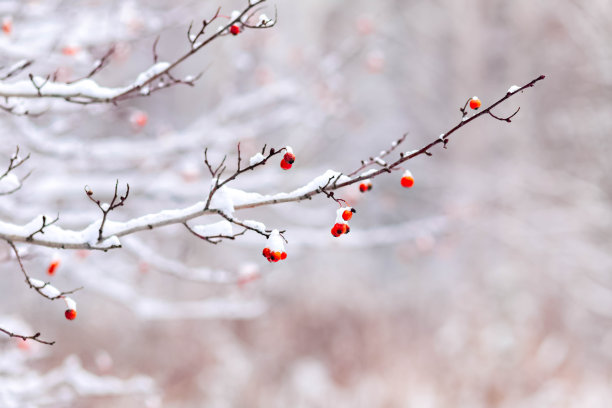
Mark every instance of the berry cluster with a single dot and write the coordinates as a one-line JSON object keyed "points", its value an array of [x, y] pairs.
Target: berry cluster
{"points": [[341, 226], [275, 248], [288, 159]]}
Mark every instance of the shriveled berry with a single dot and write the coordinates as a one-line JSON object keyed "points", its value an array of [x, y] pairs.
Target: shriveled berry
{"points": [[475, 103], [235, 30], [285, 165], [289, 157], [70, 314], [266, 252]]}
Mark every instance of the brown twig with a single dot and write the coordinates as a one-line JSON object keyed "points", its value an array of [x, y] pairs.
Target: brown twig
{"points": [[28, 280], [34, 337], [116, 202], [44, 225]]}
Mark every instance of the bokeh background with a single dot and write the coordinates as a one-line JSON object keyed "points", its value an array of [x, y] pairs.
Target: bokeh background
{"points": [[488, 284]]}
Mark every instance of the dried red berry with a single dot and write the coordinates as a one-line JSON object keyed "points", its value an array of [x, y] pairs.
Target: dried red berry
{"points": [[70, 314], [235, 30], [285, 165], [284, 255], [289, 157], [347, 215], [266, 252]]}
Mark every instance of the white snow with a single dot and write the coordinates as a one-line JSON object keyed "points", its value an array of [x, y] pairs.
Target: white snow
{"points": [[380, 161], [513, 89], [223, 227], [407, 173], [45, 288], [85, 88], [259, 226], [289, 149], [223, 200], [275, 242], [243, 199], [368, 172], [151, 72], [70, 303], [264, 20], [256, 159]]}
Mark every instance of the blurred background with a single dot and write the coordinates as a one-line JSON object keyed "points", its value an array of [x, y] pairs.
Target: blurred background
{"points": [[488, 284]]}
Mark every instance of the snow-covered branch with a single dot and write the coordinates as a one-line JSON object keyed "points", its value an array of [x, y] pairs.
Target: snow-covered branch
{"points": [[221, 198], [158, 76]]}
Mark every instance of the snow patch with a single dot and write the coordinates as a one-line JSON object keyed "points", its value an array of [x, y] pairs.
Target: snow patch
{"points": [[218, 228], [256, 159]]}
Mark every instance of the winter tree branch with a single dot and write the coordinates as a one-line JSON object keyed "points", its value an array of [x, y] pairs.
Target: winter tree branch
{"points": [[222, 200], [159, 76]]}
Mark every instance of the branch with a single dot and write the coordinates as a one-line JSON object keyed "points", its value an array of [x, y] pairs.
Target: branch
{"points": [[34, 337], [216, 173], [45, 289], [117, 201], [14, 162], [85, 91], [325, 183]]}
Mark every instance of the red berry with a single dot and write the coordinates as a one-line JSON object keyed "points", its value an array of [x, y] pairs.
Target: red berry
{"points": [[284, 255], [347, 215], [289, 157], [70, 314], [339, 229], [53, 266], [235, 30], [365, 186], [407, 181], [266, 252], [475, 103], [285, 165], [7, 25]]}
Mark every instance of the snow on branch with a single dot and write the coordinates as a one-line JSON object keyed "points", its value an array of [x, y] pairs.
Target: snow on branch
{"points": [[9, 182], [158, 76], [222, 200]]}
